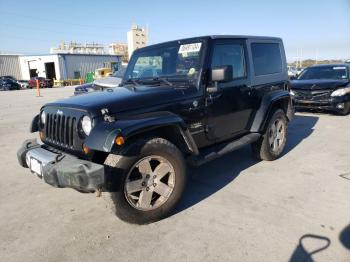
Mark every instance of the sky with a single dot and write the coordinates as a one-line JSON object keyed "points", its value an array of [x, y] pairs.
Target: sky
{"points": [[310, 29]]}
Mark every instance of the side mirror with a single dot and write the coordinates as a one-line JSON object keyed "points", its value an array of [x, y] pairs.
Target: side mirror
{"points": [[222, 74]]}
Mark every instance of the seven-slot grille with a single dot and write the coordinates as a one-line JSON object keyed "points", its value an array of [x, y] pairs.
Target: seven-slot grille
{"points": [[61, 130]]}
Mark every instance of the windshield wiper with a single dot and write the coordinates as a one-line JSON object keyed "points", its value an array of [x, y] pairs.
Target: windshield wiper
{"points": [[164, 80], [132, 81]]}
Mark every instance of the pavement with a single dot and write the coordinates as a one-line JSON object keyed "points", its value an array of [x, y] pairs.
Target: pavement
{"points": [[234, 208]]}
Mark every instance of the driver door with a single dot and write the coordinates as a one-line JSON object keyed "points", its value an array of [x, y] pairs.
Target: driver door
{"points": [[229, 108]]}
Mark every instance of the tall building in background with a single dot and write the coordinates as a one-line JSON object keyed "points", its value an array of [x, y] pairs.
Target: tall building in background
{"points": [[120, 49], [77, 48], [137, 38]]}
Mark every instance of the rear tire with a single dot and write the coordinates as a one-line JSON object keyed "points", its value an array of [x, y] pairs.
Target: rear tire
{"points": [[148, 180], [271, 145]]}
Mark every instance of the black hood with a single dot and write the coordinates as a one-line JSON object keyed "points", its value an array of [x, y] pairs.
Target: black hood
{"points": [[121, 99], [318, 84]]}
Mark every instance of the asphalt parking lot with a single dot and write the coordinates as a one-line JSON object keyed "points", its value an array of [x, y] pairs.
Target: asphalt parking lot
{"points": [[234, 209]]}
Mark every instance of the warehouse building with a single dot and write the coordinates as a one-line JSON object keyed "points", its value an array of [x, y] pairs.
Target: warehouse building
{"points": [[9, 66], [56, 66]]}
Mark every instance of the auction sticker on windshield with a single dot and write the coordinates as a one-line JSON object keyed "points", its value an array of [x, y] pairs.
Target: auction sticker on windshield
{"points": [[188, 48]]}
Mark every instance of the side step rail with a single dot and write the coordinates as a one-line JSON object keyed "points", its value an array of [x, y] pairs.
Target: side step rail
{"points": [[217, 151]]}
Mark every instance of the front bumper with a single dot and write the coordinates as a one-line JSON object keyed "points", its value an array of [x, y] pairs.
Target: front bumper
{"points": [[62, 170], [332, 103]]}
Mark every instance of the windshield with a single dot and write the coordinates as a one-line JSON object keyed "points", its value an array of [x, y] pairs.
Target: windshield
{"points": [[324, 72], [172, 61]]}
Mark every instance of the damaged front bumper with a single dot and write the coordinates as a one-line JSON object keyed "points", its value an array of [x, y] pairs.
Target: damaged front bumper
{"points": [[332, 104], [60, 169]]}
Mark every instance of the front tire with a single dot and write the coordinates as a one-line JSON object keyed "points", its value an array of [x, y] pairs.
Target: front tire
{"points": [[148, 180], [346, 110], [271, 145]]}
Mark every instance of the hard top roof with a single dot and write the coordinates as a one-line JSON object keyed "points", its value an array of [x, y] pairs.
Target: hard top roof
{"points": [[270, 38]]}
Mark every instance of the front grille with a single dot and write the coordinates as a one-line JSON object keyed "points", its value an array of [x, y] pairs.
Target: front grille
{"points": [[60, 129], [313, 94]]}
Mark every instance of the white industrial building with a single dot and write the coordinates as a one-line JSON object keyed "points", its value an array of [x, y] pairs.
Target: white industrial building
{"points": [[137, 38], [56, 66], [77, 48]]}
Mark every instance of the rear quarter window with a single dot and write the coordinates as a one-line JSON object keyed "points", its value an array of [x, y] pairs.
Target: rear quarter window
{"points": [[266, 58]]}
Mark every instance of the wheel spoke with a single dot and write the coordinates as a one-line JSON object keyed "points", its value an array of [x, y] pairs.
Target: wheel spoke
{"points": [[275, 144], [163, 189], [145, 199], [134, 186], [151, 190], [161, 170], [274, 128], [145, 167], [279, 126], [280, 136]]}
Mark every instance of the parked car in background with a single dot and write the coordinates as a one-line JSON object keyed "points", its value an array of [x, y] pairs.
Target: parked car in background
{"points": [[23, 83], [292, 71], [323, 87], [299, 70], [101, 83], [44, 82], [9, 84], [84, 88]]}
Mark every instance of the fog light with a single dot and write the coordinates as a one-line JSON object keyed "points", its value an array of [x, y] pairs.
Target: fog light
{"points": [[340, 106], [86, 150], [119, 140]]}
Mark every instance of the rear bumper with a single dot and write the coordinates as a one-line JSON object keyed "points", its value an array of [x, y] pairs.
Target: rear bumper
{"points": [[61, 169], [332, 103]]}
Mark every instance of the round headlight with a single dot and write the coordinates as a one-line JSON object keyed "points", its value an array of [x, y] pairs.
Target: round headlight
{"points": [[86, 125], [43, 117]]}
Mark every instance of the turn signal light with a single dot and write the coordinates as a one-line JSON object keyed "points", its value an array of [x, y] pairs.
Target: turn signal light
{"points": [[119, 140], [41, 135], [86, 150]]}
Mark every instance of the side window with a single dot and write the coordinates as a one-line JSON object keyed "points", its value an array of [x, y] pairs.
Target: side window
{"points": [[266, 58], [229, 54]]}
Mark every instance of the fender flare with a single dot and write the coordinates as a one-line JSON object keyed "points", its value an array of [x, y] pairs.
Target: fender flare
{"points": [[34, 125], [103, 135], [267, 103]]}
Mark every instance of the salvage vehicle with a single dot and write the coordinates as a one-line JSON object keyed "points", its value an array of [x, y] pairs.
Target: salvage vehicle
{"points": [[211, 95], [325, 87], [43, 82]]}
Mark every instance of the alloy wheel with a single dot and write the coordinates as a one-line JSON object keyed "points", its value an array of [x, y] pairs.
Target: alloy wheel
{"points": [[149, 183]]}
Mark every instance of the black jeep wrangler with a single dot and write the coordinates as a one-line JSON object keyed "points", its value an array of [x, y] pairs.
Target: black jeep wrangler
{"points": [[187, 100]]}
